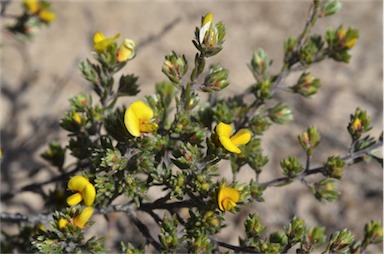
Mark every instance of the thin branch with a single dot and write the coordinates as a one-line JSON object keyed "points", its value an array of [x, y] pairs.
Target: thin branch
{"points": [[347, 159]]}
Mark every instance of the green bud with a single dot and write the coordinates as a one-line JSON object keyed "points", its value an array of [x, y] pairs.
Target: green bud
{"points": [[307, 85], [280, 114], [256, 191], [295, 230], [329, 7], [262, 90], [333, 167], [359, 124], [114, 160], [340, 42], [340, 241], [253, 227], [373, 233], [324, 190], [291, 166], [260, 63], [175, 67], [309, 140], [278, 237], [289, 48], [80, 103], [216, 80]]}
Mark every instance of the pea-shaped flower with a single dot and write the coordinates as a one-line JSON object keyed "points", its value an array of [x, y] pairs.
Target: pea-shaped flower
{"points": [[47, 16], [79, 220], [229, 142], [83, 217], [101, 43], [137, 119], [126, 50], [84, 190], [208, 32], [227, 198]]}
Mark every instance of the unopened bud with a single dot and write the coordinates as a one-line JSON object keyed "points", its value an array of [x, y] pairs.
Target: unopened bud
{"points": [[307, 85]]}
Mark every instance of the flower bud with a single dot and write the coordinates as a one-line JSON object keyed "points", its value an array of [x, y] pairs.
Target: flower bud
{"points": [[32, 6], [259, 64], [291, 166], [359, 124], [329, 7], [333, 167], [324, 190], [47, 16], [216, 80], [175, 67], [373, 233], [126, 51], [309, 140], [253, 227], [339, 242], [280, 114], [307, 85]]}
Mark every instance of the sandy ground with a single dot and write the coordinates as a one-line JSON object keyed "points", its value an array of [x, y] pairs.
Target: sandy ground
{"points": [[31, 110]]}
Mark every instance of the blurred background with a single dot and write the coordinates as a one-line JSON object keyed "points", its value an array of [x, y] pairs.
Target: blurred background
{"points": [[39, 76]]}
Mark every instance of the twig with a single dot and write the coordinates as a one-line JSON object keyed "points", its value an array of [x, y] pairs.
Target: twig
{"points": [[347, 159], [233, 247]]}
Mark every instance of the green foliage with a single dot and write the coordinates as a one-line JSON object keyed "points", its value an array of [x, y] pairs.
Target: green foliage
{"points": [[181, 156]]}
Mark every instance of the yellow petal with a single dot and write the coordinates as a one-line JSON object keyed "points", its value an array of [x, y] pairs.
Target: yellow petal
{"points": [[142, 111], [227, 197], [77, 183], [349, 44], [131, 122], [63, 223], [83, 217], [47, 15], [228, 145], [148, 127], [97, 37], [100, 45], [223, 129], [137, 114], [89, 194], [74, 199], [126, 50], [32, 6], [242, 137], [207, 18], [228, 204]]}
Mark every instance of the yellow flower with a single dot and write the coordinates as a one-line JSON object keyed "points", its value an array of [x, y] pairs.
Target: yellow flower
{"points": [[63, 223], [101, 43], [32, 6], [83, 217], [85, 190], [208, 32], [137, 119], [227, 198], [126, 50], [47, 15], [231, 143]]}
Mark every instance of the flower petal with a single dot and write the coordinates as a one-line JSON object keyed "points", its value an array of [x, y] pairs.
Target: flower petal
{"points": [[242, 137], [227, 197], [132, 122], [100, 45], [83, 217], [148, 127], [223, 129], [228, 145], [74, 199], [89, 194], [142, 110], [126, 50], [77, 183], [63, 223]]}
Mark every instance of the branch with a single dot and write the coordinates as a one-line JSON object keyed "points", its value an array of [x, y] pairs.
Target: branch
{"points": [[233, 247], [349, 159]]}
